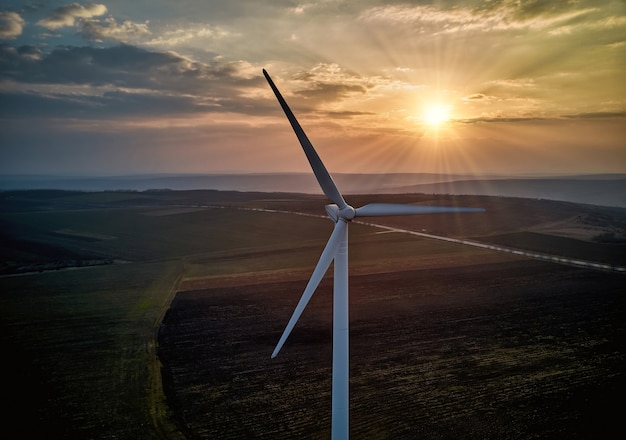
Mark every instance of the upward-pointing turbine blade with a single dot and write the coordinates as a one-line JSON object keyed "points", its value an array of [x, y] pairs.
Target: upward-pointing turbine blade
{"points": [[384, 209], [322, 266], [323, 178]]}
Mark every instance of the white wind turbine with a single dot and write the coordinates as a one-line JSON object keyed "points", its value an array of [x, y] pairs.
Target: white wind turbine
{"points": [[337, 249]]}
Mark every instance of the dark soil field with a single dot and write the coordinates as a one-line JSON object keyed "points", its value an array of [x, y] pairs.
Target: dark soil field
{"points": [[508, 350]]}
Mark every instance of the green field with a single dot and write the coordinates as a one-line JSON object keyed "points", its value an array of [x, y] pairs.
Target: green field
{"points": [[87, 277], [81, 345]]}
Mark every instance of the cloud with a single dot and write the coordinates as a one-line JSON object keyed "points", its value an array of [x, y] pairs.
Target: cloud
{"points": [[328, 83], [68, 15], [83, 17], [330, 92], [475, 97], [513, 83], [608, 115], [482, 119], [189, 33], [11, 25], [414, 14], [489, 17], [88, 82], [110, 104], [348, 114], [535, 8], [110, 29], [122, 65], [597, 115]]}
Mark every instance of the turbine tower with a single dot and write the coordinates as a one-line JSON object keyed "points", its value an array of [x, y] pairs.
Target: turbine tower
{"points": [[337, 249]]}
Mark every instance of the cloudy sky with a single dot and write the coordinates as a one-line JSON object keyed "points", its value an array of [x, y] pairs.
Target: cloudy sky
{"points": [[146, 86]]}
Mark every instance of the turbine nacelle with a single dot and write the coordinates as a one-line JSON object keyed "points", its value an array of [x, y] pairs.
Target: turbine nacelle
{"points": [[336, 213]]}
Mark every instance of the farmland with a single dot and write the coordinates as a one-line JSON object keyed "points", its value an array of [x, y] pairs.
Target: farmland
{"points": [[500, 350], [81, 345], [483, 344]]}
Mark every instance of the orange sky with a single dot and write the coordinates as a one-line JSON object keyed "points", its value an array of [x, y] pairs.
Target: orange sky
{"points": [[141, 87]]}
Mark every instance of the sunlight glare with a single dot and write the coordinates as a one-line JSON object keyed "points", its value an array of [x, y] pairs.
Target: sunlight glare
{"points": [[436, 115]]}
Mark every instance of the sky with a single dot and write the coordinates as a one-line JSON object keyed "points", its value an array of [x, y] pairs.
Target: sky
{"points": [[158, 86]]}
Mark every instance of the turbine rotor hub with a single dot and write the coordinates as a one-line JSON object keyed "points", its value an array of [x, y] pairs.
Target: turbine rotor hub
{"points": [[347, 213]]}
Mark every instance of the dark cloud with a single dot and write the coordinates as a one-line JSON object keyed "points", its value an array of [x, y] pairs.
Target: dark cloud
{"points": [[475, 97], [597, 115], [108, 105], [89, 82], [328, 82], [119, 105], [330, 92], [591, 115], [123, 66], [533, 8], [347, 114], [500, 119], [30, 105]]}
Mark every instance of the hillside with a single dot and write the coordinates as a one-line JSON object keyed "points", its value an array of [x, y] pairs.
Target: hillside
{"points": [[592, 191]]}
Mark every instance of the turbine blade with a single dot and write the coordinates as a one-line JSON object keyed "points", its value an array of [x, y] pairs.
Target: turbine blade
{"points": [[322, 266], [323, 178], [386, 209]]}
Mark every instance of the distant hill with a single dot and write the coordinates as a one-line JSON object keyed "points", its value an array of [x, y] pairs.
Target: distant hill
{"points": [[598, 189], [269, 182], [591, 191]]}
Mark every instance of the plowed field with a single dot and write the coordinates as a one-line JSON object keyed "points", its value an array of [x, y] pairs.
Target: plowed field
{"points": [[509, 350]]}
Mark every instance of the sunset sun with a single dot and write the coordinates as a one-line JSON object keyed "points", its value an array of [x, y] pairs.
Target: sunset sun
{"points": [[436, 115]]}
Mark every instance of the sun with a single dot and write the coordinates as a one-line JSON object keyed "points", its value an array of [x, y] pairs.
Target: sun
{"points": [[436, 115]]}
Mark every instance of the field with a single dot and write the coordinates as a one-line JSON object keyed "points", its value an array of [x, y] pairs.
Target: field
{"points": [[447, 340], [505, 350], [79, 346]]}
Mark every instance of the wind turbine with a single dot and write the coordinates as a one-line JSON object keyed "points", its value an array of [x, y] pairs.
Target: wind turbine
{"points": [[337, 249]]}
